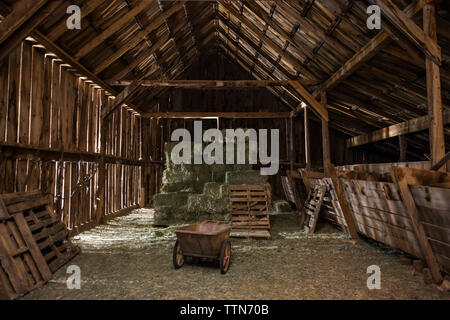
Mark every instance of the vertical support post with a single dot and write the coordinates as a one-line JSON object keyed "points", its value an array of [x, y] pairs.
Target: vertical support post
{"points": [[437, 140], [325, 136], [307, 149], [291, 143], [400, 177], [154, 156], [100, 211]]}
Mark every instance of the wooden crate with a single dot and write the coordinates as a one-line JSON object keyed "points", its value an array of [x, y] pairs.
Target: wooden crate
{"points": [[249, 207], [49, 233], [22, 265]]}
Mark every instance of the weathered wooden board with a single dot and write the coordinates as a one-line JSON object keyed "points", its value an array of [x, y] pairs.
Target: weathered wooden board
{"points": [[380, 214], [49, 234], [433, 207], [22, 265]]}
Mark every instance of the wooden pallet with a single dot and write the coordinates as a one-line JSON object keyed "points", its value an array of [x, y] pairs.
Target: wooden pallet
{"points": [[312, 207], [331, 208], [49, 233], [22, 266], [249, 207]]}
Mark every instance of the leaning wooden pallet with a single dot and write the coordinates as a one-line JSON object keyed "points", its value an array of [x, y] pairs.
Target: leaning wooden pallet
{"points": [[49, 233], [249, 208], [22, 265]]}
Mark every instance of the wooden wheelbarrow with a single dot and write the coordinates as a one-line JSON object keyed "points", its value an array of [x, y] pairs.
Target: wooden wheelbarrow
{"points": [[206, 239]]}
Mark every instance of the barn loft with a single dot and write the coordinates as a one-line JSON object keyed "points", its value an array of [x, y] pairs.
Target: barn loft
{"points": [[92, 90]]}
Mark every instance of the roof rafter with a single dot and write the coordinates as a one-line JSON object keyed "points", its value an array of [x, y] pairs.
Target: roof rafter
{"points": [[366, 53], [409, 29], [135, 40], [268, 41], [92, 44]]}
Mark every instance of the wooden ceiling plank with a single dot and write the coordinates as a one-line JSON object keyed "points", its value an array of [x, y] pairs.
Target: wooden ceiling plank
{"points": [[268, 41], [255, 47], [374, 46], [61, 27], [21, 12], [138, 38], [312, 28], [91, 45], [267, 74], [380, 95], [14, 39]]}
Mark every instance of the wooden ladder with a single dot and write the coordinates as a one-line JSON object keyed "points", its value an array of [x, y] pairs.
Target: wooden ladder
{"points": [[312, 207]]}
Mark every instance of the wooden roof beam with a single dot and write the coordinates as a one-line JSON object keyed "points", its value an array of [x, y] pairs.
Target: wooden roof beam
{"points": [[135, 85], [274, 90], [255, 47], [359, 101], [201, 84], [309, 27], [309, 99], [171, 34], [409, 29], [302, 48], [191, 27], [25, 17], [228, 115], [268, 41], [267, 73], [374, 46], [86, 8], [380, 95], [410, 126], [138, 38], [99, 39], [66, 57], [22, 11]]}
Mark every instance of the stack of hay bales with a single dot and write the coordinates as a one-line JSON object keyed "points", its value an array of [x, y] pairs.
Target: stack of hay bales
{"points": [[195, 192]]}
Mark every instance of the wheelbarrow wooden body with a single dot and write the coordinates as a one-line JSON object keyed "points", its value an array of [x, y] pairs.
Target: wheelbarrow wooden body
{"points": [[203, 240]]}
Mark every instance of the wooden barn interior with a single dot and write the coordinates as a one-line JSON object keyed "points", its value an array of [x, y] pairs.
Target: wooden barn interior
{"points": [[86, 114]]}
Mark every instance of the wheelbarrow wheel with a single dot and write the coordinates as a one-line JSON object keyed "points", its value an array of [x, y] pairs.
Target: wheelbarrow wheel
{"points": [[225, 256], [178, 258]]}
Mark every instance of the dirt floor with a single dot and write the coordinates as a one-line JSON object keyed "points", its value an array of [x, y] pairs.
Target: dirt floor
{"points": [[129, 259]]}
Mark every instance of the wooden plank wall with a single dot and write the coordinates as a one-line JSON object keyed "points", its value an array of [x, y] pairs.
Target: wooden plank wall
{"points": [[379, 213], [433, 207], [123, 142], [50, 122]]}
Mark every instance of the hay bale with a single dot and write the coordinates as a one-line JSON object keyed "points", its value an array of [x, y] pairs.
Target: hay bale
{"points": [[282, 206], [200, 203], [245, 177], [215, 190], [168, 215], [173, 199]]}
